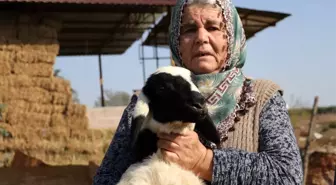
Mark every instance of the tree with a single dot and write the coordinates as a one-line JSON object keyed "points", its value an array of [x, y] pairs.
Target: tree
{"points": [[117, 98], [296, 102], [75, 97]]}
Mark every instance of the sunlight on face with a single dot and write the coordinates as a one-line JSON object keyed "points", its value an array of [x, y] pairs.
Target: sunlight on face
{"points": [[203, 40]]}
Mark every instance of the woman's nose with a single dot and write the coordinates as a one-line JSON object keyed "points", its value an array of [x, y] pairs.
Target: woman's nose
{"points": [[202, 36]]}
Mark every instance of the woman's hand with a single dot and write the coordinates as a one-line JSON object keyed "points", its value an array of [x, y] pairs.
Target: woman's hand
{"points": [[188, 152]]}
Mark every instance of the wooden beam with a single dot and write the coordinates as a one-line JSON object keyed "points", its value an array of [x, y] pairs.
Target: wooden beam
{"points": [[305, 160], [80, 53], [113, 29], [68, 7], [79, 40], [83, 23], [101, 81]]}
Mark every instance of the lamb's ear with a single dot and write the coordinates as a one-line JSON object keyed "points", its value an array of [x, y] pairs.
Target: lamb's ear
{"points": [[207, 128], [139, 115]]}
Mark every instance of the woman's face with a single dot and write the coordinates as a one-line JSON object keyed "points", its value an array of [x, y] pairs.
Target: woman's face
{"points": [[203, 41]]}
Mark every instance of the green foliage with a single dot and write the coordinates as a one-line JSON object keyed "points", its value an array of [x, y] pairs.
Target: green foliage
{"points": [[320, 110], [2, 109], [328, 125], [6, 158], [327, 110], [117, 98], [5, 134], [324, 129], [296, 115], [332, 124]]}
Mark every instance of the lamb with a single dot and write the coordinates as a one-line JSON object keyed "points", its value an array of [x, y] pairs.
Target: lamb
{"points": [[170, 103]]}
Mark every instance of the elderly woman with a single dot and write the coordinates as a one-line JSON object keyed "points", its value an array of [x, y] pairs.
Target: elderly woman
{"points": [[257, 141]]}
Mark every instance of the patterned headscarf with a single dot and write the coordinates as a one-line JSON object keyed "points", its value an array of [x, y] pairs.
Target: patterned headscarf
{"points": [[228, 92]]}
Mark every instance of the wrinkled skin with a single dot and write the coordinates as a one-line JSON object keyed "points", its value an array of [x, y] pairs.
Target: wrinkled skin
{"points": [[203, 40]]}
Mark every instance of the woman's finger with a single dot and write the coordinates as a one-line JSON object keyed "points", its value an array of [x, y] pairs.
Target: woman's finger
{"points": [[169, 156], [167, 145], [170, 137]]}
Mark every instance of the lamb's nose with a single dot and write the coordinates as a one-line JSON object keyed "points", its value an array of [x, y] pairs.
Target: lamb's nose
{"points": [[197, 105]]}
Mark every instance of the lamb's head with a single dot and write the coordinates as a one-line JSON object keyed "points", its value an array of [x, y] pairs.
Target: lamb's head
{"points": [[173, 97], [170, 96]]}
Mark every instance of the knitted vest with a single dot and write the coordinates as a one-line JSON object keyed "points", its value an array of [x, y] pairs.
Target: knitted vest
{"points": [[246, 132]]}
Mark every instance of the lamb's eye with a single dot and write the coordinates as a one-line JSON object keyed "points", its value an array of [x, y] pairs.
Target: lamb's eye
{"points": [[161, 88]]}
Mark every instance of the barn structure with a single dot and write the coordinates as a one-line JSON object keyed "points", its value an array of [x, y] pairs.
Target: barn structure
{"points": [[99, 27]]}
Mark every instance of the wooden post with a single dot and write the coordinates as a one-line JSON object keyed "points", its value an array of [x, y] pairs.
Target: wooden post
{"points": [[305, 160], [156, 55], [101, 81], [143, 61]]}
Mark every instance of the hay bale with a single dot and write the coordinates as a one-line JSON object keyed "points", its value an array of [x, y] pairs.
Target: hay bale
{"points": [[35, 56], [9, 44], [32, 119], [12, 144], [54, 84], [55, 134], [58, 120], [64, 158], [3, 79], [57, 109], [31, 94], [5, 68], [101, 137], [29, 107], [23, 106], [72, 122], [50, 84], [34, 69], [3, 111], [60, 98], [6, 60], [42, 46], [16, 81], [79, 123], [81, 147], [71, 146], [72, 151], [81, 135], [74, 109], [35, 134]]}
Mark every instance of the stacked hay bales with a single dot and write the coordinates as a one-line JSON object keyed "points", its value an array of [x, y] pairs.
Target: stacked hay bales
{"points": [[40, 115]]}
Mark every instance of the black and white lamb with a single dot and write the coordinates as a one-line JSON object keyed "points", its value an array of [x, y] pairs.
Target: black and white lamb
{"points": [[169, 103]]}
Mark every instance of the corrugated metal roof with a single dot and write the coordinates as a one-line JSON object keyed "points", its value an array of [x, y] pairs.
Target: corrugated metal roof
{"points": [[91, 29], [119, 2]]}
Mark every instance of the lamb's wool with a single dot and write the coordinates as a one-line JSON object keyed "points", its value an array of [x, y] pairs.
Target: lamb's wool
{"points": [[154, 170]]}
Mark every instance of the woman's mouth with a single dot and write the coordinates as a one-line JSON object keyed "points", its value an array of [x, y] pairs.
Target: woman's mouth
{"points": [[203, 54]]}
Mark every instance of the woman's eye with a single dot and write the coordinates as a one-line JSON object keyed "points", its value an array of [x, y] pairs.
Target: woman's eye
{"points": [[161, 88], [189, 30], [212, 28]]}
